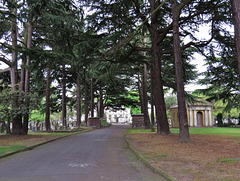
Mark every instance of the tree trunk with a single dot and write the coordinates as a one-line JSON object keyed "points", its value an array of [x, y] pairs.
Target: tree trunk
{"points": [[163, 125], [152, 106], [92, 99], [140, 93], [23, 70], [86, 102], [101, 107], [78, 101], [27, 79], [145, 98], [182, 112], [64, 104], [16, 118], [236, 21], [48, 94]]}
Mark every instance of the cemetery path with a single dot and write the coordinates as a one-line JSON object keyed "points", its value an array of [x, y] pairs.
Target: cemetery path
{"points": [[94, 156]]}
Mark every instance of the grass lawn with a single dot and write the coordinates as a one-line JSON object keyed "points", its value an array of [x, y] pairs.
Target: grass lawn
{"points": [[212, 131], [204, 131]]}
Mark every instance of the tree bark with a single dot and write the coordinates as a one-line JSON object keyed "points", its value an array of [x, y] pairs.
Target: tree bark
{"points": [[145, 97], [78, 101], [64, 104], [48, 94], [152, 106], [92, 99], [101, 106], [182, 112], [27, 79], [86, 102], [236, 21], [23, 70], [16, 118], [161, 116], [140, 93]]}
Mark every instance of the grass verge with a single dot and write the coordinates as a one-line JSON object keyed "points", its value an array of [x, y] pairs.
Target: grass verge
{"points": [[8, 149]]}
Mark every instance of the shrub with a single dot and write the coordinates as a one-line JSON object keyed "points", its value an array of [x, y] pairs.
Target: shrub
{"points": [[104, 122]]}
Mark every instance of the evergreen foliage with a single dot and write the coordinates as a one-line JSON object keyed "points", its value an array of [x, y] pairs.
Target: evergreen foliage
{"points": [[108, 42]]}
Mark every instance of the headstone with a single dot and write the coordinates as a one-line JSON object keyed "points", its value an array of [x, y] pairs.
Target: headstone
{"points": [[137, 120], [94, 122]]}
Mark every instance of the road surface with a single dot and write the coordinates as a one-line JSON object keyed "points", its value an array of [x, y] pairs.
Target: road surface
{"points": [[100, 155]]}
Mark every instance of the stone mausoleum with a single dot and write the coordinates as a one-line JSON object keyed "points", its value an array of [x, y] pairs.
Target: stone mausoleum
{"points": [[118, 116], [199, 114]]}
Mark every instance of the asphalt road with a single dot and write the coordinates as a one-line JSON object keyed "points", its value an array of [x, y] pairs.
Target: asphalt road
{"points": [[100, 155]]}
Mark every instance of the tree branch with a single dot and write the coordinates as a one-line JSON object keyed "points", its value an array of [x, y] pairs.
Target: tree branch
{"points": [[4, 60], [138, 12], [180, 6], [195, 44], [143, 49], [21, 38], [5, 70]]}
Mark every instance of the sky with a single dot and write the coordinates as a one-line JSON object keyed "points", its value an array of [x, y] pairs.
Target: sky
{"points": [[199, 62]]}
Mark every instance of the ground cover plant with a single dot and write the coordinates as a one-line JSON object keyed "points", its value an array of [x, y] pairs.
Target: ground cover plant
{"points": [[213, 154]]}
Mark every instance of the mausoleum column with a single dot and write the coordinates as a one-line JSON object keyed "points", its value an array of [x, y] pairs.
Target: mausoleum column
{"points": [[190, 117], [206, 118], [210, 118], [195, 118]]}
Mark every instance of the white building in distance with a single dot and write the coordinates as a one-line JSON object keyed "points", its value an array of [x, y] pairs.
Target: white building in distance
{"points": [[119, 116]]}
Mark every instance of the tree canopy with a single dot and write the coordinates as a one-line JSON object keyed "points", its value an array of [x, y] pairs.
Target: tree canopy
{"points": [[102, 46]]}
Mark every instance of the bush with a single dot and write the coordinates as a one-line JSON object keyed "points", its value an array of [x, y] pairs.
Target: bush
{"points": [[104, 123], [228, 125]]}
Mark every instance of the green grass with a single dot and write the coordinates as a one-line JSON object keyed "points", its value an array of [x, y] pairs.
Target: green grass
{"points": [[212, 131], [158, 155], [7, 149], [138, 130], [227, 160], [206, 131]]}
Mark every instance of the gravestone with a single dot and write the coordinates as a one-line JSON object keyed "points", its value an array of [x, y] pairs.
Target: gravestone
{"points": [[94, 122], [137, 120]]}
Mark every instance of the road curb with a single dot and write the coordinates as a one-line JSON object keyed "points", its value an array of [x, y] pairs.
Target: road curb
{"points": [[146, 162], [40, 144]]}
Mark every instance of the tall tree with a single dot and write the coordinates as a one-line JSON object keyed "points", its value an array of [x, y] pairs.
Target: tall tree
{"points": [[17, 120], [92, 98], [157, 83], [86, 101], [182, 112], [27, 71], [64, 103], [236, 20], [145, 97], [78, 101], [47, 116]]}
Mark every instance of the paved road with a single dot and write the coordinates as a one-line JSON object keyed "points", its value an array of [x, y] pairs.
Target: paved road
{"points": [[101, 155]]}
